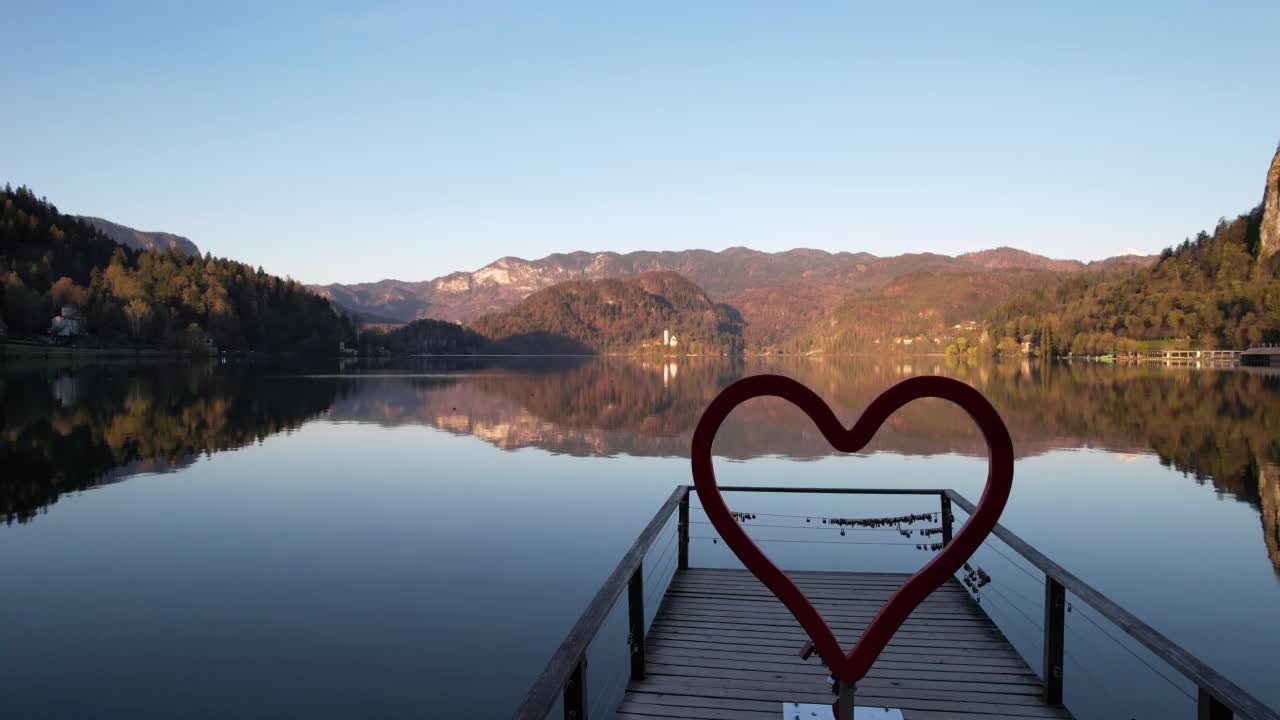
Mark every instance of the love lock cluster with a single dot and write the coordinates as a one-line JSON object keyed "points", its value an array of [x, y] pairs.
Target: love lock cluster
{"points": [[974, 578], [878, 522]]}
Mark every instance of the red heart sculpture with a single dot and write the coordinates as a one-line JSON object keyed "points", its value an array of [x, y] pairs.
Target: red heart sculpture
{"points": [[852, 667]]}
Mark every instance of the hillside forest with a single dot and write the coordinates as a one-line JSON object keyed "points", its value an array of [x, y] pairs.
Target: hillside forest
{"points": [[163, 299], [1213, 291]]}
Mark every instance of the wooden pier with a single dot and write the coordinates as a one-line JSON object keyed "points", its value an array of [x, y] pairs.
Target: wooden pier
{"points": [[1202, 355], [720, 646], [1261, 356], [723, 646]]}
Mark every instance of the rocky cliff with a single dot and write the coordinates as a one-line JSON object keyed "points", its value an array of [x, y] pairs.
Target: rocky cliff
{"points": [[140, 239], [1271, 210]]}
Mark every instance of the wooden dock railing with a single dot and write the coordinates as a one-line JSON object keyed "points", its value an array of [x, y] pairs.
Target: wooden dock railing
{"points": [[564, 677], [1219, 698]]}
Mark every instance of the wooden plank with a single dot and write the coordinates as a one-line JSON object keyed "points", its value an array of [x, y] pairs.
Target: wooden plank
{"points": [[726, 629], [881, 592], [851, 604], [841, 577], [897, 667], [721, 643], [819, 692], [835, 597], [889, 581], [837, 576], [776, 617], [973, 614], [797, 640], [758, 683], [959, 626], [889, 667], [657, 668], [781, 615], [1004, 656], [887, 656], [634, 698], [849, 607]]}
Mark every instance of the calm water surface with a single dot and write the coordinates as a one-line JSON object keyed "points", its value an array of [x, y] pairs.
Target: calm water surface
{"points": [[337, 541]]}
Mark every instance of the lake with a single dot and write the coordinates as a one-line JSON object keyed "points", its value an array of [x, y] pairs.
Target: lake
{"points": [[414, 539]]}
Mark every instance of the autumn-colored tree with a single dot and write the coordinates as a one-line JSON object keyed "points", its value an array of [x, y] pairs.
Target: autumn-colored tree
{"points": [[1209, 292], [48, 260]]}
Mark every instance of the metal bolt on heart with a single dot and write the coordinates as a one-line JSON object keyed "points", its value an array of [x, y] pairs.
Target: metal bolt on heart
{"points": [[847, 668]]}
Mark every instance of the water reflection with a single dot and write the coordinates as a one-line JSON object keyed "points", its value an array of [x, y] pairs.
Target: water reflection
{"points": [[67, 430], [70, 429]]}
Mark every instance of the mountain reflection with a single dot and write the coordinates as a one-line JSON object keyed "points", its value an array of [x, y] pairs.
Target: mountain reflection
{"points": [[72, 429]]}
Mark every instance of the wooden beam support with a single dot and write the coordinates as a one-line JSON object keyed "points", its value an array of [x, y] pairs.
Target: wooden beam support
{"points": [[635, 622], [1055, 624], [683, 563], [947, 518], [1210, 708], [575, 692]]}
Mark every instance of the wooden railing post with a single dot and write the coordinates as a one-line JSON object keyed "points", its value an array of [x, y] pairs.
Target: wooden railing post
{"points": [[946, 519], [683, 529], [575, 692], [1055, 625], [635, 615], [1210, 708], [564, 676]]}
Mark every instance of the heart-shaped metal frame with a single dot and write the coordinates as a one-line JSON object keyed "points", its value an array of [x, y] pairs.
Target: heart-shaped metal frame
{"points": [[852, 667]]}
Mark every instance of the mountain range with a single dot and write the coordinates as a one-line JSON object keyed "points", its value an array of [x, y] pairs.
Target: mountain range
{"points": [[776, 293]]}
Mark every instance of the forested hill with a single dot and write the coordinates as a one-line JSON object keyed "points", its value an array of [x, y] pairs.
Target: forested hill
{"points": [[49, 260], [927, 309], [422, 337], [1216, 291], [627, 315]]}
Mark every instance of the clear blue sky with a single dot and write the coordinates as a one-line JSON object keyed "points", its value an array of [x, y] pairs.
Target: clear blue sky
{"points": [[334, 142]]}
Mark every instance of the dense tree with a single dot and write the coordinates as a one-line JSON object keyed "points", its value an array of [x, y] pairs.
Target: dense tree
{"points": [[422, 337], [923, 307], [1211, 292], [49, 260], [616, 316]]}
